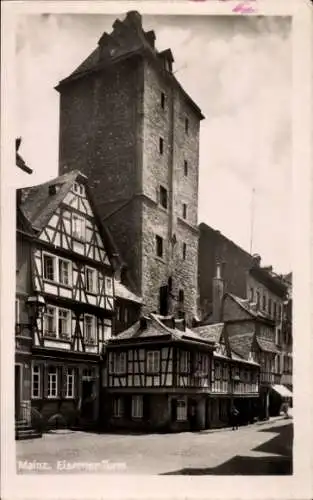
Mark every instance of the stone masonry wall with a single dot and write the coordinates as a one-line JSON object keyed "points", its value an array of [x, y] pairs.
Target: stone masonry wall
{"points": [[100, 135]]}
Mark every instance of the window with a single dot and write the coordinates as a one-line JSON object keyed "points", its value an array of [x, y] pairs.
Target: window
{"points": [[181, 296], [279, 336], [78, 227], [52, 382], [185, 168], [181, 412], [163, 197], [49, 267], [107, 329], [264, 303], [70, 383], [64, 272], [108, 286], [184, 251], [251, 294], [64, 323], [49, 322], [35, 381], [161, 145], [118, 313], [57, 269], [118, 407], [137, 406], [153, 361], [186, 125], [183, 362], [258, 299], [125, 315], [184, 211], [279, 311], [270, 307], [120, 363], [159, 246], [162, 100], [90, 330], [90, 275], [275, 310]]}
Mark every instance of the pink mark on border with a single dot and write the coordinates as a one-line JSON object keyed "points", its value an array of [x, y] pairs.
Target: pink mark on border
{"points": [[243, 7]]}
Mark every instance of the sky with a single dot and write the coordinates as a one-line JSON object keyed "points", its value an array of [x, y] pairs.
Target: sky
{"points": [[237, 69]]}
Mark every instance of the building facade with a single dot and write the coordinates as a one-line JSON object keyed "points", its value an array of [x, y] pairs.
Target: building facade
{"points": [[66, 264], [126, 123], [162, 376], [244, 277]]}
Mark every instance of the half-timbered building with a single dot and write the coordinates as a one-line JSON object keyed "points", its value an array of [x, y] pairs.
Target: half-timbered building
{"points": [[161, 375], [251, 334], [66, 261]]}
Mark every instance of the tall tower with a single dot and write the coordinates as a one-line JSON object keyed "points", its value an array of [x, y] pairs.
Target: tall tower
{"points": [[126, 123]]}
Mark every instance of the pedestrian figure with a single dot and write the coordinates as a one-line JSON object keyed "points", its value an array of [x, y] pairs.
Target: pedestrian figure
{"points": [[285, 408], [234, 418]]}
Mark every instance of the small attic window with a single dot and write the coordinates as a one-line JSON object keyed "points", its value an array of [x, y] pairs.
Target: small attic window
{"points": [[54, 189], [79, 188]]}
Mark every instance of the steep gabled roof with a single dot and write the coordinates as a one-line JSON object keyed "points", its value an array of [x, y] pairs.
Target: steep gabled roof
{"points": [[267, 345], [123, 292], [210, 332], [38, 205], [246, 305], [127, 39], [241, 344], [154, 326]]}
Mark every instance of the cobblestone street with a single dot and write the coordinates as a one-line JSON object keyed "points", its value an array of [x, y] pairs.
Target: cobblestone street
{"points": [[259, 449]]}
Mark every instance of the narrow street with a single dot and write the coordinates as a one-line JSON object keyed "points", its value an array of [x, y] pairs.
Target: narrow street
{"points": [[260, 449]]}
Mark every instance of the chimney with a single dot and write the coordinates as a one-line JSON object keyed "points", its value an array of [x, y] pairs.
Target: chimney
{"points": [[218, 292], [150, 36]]}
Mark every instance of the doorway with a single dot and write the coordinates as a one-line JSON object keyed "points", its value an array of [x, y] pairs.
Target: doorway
{"points": [[87, 399], [18, 396]]}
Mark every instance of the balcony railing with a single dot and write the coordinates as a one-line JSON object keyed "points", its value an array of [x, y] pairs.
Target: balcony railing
{"points": [[270, 378]]}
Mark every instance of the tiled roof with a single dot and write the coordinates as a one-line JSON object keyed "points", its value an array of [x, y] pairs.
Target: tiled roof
{"points": [[123, 292], [241, 344], [267, 345], [155, 327], [38, 205], [210, 332], [249, 308]]}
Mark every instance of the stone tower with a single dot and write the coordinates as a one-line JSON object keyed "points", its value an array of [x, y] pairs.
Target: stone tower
{"points": [[126, 123]]}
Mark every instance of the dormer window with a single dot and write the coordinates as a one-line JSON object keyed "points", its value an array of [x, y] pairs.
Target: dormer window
{"points": [[79, 188]]}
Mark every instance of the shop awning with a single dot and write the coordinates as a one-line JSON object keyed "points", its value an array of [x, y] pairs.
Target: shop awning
{"points": [[282, 391]]}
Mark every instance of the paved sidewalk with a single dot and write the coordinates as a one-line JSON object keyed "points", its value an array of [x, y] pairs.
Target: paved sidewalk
{"points": [[261, 448]]}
